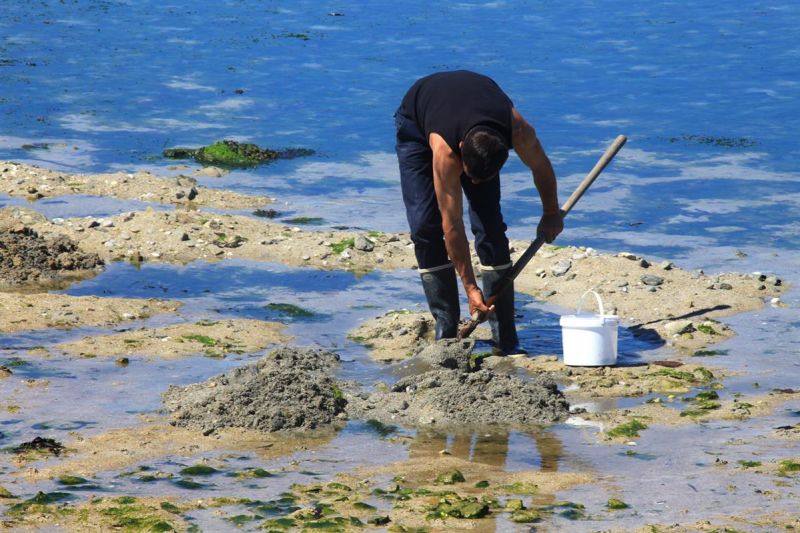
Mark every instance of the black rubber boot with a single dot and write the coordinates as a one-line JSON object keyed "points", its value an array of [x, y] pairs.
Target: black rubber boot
{"points": [[504, 330], [441, 291]]}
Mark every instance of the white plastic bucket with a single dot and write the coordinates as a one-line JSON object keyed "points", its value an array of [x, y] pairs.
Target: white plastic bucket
{"points": [[588, 339]]}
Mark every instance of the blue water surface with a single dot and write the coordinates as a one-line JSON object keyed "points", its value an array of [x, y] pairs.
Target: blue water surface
{"points": [[707, 93]]}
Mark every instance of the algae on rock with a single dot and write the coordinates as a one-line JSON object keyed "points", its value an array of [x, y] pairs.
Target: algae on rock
{"points": [[234, 154]]}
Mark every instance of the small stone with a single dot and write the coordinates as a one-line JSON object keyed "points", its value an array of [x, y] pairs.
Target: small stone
{"points": [[561, 267], [184, 236], [644, 263], [628, 255], [107, 224], [622, 284], [94, 224], [678, 327], [570, 276], [540, 272], [761, 287], [725, 286], [775, 301], [155, 254], [122, 361], [548, 294], [773, 280], [652, 281], [363, 244], [514, 504], [651, 289], [666, 265], [306, 257], [345, 255]]}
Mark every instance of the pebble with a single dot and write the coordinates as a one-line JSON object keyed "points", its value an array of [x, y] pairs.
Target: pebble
{"points": [[628, 255], [306, 257], [652, 281], [58, 221], [109, 244], [622, 284], [644, 263], [773, 280], [678, 327], [775, 301], [666, 265], [540, 272], [345, 255], [571, 276], [184, 236], [651, 289], [155, 254], [548, 294], [363, 244], [725, 286], [561, 267]]}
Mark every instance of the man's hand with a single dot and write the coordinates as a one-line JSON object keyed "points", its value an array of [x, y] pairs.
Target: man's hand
{"points": [[550, 226], [476, 302]]}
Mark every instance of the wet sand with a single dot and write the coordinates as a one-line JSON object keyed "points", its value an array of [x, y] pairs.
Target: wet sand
{"points": [[656, 301]]}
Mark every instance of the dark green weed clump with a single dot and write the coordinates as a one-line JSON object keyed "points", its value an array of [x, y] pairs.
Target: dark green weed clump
{"points": [[290, 310], [233, 154], [305, 221], [711, 140], [630, 429]]}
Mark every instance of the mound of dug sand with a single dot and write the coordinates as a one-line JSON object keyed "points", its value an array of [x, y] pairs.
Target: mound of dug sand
{"points": [[453, 393], [26, 257], [288, 389]]}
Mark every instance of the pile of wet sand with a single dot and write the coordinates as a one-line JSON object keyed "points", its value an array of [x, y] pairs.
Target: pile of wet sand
{"points": [[26, 257], [453, 393], [290, 388]]}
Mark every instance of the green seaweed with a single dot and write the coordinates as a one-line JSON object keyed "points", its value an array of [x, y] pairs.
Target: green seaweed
{"points": [[341, 246], [189, 484], [451, 477], [454, 506], [40, 500], [241, 519], [749, 464], [199, 470], [136, 518], [788, 465], [525, 516], [520, 487], [709, 353], [615, 504], [630, 429], [290, 310], [69, 480], [305, 221], [364, 506], [708, 330], [170, 508], [482, 484], [205, 340]]}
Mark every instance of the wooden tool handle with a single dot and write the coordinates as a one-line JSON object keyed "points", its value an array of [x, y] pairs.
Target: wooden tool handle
{"points": [[527, 255]]}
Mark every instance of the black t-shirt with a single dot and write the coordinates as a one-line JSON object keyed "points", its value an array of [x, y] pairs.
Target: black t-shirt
{"points": [[451, 103]]}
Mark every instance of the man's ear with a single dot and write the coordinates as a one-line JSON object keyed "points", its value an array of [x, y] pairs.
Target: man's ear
{"points": [[460, 145]]}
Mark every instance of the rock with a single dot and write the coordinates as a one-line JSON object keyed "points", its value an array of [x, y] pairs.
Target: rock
{"points": [[666, 265], [184, 236], [211, 172], [725, 286], [652, 281], [540, 272], [622, 284], [628, 255], [363, 244], [773, 280], [561, 267], [644, 263], [570, 276], [678, 327], [547, 294]]}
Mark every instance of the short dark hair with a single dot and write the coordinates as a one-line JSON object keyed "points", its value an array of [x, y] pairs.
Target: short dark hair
{"points": [[484, 152]]}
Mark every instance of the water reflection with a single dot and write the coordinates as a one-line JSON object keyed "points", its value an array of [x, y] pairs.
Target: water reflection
{"points": [[502, 449]]}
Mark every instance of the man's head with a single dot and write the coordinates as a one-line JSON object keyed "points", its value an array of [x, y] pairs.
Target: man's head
{"points": [[483, 153]]}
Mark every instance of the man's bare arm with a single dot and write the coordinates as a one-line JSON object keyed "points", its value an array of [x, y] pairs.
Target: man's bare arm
{"points": [[530, 151], [447, 170]]}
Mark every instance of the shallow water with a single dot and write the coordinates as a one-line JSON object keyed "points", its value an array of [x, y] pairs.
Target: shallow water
{"points": [[706, 93]]}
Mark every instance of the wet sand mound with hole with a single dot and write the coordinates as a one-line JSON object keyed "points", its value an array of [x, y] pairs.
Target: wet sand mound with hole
{"points": [[28, 258], [453, 392], [290, 388]]}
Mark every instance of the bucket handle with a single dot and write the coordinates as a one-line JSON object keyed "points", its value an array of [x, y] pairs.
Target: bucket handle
{"points": [[597, 297]]}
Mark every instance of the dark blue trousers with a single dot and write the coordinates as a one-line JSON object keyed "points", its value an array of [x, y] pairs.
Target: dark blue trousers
{"points": [[422, 210]]}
